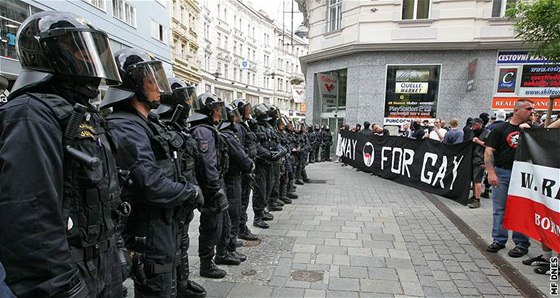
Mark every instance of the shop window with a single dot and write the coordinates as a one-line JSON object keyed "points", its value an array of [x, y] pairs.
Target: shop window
{"points": [[332, 90], [415, 9]]}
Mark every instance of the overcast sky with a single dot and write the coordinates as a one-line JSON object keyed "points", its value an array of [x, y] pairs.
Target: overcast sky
{"points": [[274, 9]]}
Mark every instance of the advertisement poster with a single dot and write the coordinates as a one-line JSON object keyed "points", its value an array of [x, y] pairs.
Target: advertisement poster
{"points": [[472, 75], [411, 92], [328, 89], [298, 92], [507, 80], [520, 74]]}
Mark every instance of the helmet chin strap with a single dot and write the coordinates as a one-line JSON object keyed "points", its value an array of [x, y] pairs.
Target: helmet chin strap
{"points": [[78, 89], [143, 99]]}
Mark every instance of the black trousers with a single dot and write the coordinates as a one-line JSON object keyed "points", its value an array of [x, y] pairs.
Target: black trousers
{"points": [[245, 196], [233, 190], [210, 233], [102, 275], [183, 271], [325, 153], [161, 255], [263, 188]]}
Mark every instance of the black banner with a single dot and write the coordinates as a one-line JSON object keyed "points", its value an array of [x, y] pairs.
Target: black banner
{"points": [[427, 165]]}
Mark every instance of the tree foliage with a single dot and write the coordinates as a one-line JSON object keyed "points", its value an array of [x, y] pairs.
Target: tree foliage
{"points": [[538, 24]]}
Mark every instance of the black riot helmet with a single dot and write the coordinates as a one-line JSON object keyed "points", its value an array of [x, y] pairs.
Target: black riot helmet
{"points": [[61, 45], [182, 94], [261, 112], [233, 116], [142, 76], [208, 106], [244, 108], [316, 127]]}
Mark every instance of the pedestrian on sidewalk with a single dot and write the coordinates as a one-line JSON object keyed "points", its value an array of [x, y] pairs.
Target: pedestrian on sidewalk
{"points": [[498, 159]]}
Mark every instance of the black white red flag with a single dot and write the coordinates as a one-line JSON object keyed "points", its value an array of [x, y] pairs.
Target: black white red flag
{"points": [[533, 202]]}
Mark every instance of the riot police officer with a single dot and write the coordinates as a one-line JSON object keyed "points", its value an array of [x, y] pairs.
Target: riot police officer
{"points": [[276, 202], [239, 163], [249, 141], [157, 192], [326, 143], [212, 161], [268, 151], [174, 111], [58, 179]]}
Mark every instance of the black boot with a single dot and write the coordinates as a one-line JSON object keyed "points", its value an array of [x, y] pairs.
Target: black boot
{"points": [[285, 200], [245, 234], [277, 202], [306, 180], [190, 289], [292, 195], [226, 258], [299, 182], [239, 256], [274, 207], [267, 216], [238, 243], [259, 223], [210, 270], [486, 193]]}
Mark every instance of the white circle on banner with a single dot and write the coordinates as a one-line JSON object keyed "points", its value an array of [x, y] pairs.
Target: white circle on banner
{"points": [[368, 156]]}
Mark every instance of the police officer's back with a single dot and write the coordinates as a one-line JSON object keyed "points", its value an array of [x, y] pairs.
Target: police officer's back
{"points": [[58, 179]]}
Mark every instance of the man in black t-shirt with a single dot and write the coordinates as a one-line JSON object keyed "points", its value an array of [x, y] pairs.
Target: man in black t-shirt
{"points": [[498, 159]]}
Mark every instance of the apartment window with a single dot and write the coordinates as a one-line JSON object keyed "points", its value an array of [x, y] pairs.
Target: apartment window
{"points": [[335, 14], [158, 31], [225, 42], [125, 12], [97, 3], [248, 53], [226, 70], [240, 49], [254, 54], [240, 75], [254, 77], [219, 39], [235, 74], [225, 14], [415, 9], [235, 47], [248, 78], [499, 7], [219, 67]]}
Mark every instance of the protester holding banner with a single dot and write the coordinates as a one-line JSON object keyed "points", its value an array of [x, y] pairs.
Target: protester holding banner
{"points": [[498, 159]]}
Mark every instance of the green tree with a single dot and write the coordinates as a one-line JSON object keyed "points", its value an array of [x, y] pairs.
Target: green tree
{"points": [[538, 24]]}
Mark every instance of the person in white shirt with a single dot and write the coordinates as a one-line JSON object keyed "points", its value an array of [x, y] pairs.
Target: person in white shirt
{"points": [[437, 133]]}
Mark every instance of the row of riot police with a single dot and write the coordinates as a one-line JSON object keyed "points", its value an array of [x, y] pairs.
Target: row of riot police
{"points": [[321, 141], [89, 200]]}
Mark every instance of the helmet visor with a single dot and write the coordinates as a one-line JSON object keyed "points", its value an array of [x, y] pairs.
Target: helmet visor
{"points": [[219, 112], [82, 53], [235, 113], [151, 76]]}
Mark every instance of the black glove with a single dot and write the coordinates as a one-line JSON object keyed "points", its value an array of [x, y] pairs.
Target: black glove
{"points": [[199, 199], [279, 154], [221, 200]]}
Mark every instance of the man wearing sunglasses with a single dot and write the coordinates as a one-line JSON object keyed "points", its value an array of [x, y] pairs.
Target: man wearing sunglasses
{"points": [[498, 159]]}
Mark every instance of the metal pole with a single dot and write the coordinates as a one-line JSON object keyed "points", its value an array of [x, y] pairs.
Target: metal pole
{"points": [[292, 29]]}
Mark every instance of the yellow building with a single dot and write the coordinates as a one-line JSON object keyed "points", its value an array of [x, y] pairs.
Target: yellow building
{"points": [[184, 27]]}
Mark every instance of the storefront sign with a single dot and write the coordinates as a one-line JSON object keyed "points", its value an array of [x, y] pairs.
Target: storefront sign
{"points": [[411, 88], [411, 92], [328, 88], [523, 75], [507, 80]]}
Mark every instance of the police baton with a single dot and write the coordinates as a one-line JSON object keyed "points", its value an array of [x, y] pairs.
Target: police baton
{"points": [[72, 129]]}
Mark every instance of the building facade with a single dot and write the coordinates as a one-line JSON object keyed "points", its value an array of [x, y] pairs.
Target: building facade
{"points": [[395, 60], [185, 18], [128, 23], [245, 54]]}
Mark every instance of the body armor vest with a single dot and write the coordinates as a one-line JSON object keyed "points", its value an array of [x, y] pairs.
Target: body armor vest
{"points": [[250, 141], [90, 194]]}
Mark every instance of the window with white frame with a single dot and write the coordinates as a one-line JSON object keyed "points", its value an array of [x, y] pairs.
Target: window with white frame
{"points": [[158, 31], [335, 15], [125, 12], [499, 7], [415, 9], [97, 3], [235, 73]]}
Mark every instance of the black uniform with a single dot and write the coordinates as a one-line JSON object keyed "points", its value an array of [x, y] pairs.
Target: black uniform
{"points": [[249, 141], [239, 163], [56, 225], [153, 229], [212, 161], [266, 147], [326, 143]]}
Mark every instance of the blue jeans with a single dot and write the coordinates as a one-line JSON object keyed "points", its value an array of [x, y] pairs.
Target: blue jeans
{"points": [[499, 197]]}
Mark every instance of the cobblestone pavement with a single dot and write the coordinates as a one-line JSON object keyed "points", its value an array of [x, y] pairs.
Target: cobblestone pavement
{"points": [[366, 237]]}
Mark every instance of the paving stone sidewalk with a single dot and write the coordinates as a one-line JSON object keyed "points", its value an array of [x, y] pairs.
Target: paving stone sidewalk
{"points": [[366, 237]]}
